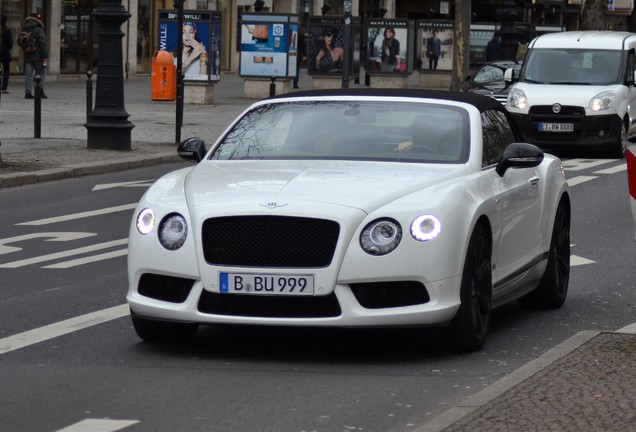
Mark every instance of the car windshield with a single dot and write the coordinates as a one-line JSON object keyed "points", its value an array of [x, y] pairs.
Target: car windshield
{"points": [[572, 66], [351, 130]]}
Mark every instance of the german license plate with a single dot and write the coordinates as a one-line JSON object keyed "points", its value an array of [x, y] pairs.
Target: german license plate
{"points": [[266, 284], [556, 127]]}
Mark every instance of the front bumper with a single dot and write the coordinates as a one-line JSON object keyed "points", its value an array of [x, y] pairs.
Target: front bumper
{"points": [[598, 131], [184, 300]]}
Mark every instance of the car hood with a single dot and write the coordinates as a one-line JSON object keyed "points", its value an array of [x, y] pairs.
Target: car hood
{"points": [[361, 185]]}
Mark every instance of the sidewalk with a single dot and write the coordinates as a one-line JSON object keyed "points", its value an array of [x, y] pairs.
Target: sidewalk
{"points": [[584, 384], [61, 151]]}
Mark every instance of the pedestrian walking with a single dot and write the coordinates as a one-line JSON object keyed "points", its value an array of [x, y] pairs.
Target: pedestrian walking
{"points": [[5, 52], [34, 44]]}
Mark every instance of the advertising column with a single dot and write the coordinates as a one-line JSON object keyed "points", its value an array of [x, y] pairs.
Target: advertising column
{"points": [[325, 58], [390, 50], [201, 39], [266, 43], [434, 51]]}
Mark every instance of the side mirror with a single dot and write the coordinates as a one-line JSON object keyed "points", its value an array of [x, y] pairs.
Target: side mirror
{"points": [[192, 149], [630, 78], [519, 155], [509, 77]]}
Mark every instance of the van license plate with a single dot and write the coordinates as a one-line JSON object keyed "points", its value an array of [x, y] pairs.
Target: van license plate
{"points": [[556, 127]]}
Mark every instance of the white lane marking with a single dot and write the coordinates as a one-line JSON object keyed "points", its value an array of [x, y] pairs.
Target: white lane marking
{"points": [[582, 164], [64, 254], [88, 260], [628, 329], [61, 328], [55, 236], [612, 170], [577, 261], [81, 215], [139, 183], [99, 425], [579, 179]]}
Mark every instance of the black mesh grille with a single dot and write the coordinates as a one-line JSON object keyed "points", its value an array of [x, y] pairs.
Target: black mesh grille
{"points": [[379, 295], [269, 241], [166, 288], [269, 306]]}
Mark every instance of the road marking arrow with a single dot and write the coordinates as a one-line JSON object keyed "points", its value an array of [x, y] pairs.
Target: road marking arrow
{"points": [[577, 261], [64, 254], [54, 236]]}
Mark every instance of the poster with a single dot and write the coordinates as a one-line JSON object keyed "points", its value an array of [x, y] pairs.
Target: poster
{"points": [[389, 47], [435, 45], [326, 48], [201, 39], [264, 44]]}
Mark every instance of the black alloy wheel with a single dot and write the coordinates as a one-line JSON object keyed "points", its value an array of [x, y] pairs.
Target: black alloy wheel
{"points": [[553, 289], [471, 324]]}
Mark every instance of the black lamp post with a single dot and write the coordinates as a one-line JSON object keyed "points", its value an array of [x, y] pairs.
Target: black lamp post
{"points": [[108, 126], [509, 33]]}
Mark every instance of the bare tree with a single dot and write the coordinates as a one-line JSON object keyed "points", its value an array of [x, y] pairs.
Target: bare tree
{"points": [[593, 15]]}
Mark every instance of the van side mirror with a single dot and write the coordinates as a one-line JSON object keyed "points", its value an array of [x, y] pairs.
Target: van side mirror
{"points": [[509, 77]]}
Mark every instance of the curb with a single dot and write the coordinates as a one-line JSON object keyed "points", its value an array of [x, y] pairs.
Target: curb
{"points": [[85, 169], [486, 395]]}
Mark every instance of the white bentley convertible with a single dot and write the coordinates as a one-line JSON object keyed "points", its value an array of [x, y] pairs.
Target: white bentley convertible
{"points": [[352, 208]]}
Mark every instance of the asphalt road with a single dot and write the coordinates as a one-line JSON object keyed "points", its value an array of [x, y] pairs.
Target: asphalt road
{"points": [[70, 358]]}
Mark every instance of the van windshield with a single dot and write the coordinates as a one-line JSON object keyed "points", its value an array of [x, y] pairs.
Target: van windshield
{"points": [[572, 66]]}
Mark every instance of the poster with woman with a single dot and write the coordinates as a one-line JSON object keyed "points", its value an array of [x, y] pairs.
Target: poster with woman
{"points": [[200, 37], [326, 46], [388, 47], [435, 45]]}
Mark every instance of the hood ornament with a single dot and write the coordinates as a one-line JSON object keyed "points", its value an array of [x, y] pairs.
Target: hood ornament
{"points": [[272, 205]]}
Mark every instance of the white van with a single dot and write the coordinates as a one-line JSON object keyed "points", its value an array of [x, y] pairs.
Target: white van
{"points": [[576, 88]]}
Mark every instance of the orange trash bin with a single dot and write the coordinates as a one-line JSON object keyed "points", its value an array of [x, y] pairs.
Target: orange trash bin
{"points": [[163, 77]]}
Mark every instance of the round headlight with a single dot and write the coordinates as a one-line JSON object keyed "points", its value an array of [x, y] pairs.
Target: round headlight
{"points": [[145, 221], [517, 99], [425, 228], [173, 232], [602, 101], [381, 237]]}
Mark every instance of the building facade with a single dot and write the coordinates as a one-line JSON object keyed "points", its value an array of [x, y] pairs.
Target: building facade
{"points": [[74, 44]]}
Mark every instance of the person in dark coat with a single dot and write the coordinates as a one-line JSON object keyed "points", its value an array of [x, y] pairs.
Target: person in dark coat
{"points": [[35, 61], [5, 52]]}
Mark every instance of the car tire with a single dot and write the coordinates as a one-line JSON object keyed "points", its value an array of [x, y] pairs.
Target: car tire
{"points": [[553, 288], [620, 147], [472, 321], [163, 331]]}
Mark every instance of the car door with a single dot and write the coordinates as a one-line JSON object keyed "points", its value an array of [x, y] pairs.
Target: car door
{"points": [[518, 200], [630, 79]]}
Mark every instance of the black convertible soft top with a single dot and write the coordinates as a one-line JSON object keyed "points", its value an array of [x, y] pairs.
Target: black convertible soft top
{"points": [[482, 103]]}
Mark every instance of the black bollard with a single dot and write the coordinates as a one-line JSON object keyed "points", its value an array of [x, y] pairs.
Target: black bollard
{"points": [[272, 87], [89, 94], [38, 108]]}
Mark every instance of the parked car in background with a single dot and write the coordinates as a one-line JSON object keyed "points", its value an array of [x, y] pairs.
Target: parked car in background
{"points": [[352, 208], [576, 90], [489, 80]]}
